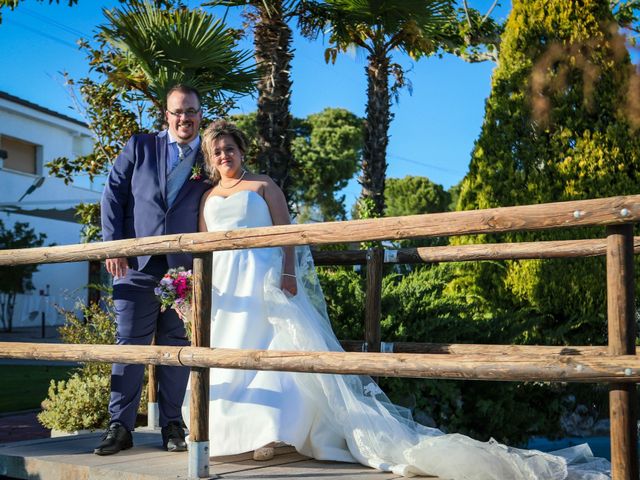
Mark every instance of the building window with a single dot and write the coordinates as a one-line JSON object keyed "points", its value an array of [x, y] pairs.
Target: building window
{"points": [[21, 156]]}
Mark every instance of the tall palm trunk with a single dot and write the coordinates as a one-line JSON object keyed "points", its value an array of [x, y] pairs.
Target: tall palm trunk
{"points": [[374, 164], [272, 40]]}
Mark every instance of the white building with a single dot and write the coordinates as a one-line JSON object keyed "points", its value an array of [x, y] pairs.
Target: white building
{"points": [[31, 136]]}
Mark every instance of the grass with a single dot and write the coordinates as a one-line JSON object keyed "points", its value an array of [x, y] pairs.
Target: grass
{"points": [[23, 387]]}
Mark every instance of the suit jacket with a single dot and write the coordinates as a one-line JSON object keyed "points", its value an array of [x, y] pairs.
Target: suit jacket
{"points": [[134, 199]]}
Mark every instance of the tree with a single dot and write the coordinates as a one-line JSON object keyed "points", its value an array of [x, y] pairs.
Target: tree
{"points": [[155, 49], [419, 28], [555, 129], [414, 196], [327, 147], [12, 4], [415, 27], [327, 150], [15, 280], [137, 55], [272, 38], [627, 14]]}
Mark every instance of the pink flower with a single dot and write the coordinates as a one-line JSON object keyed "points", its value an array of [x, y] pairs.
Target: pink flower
{"points": [[174, 289], [196, 172]]}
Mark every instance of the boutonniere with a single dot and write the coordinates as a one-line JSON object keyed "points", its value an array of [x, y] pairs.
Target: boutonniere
{"points": [[196, 172]]}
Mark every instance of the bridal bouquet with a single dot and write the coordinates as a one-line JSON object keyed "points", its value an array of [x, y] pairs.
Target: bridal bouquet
{"points": [[175, 291]]}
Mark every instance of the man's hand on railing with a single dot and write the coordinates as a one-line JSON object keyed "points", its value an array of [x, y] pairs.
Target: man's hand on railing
{"points": [[117, 266]]}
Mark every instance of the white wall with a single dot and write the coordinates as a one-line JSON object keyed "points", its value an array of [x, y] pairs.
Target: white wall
{"points": [[58, 138]]}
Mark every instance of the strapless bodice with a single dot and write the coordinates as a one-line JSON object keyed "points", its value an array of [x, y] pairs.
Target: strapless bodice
{"points": [[243, 209]]}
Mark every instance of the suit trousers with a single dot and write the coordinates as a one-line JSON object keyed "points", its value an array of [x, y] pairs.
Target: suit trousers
{"points": [[138, 318]]}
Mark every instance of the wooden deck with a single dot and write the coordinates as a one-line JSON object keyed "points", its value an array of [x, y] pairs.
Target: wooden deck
{"points": [[72, 458]]}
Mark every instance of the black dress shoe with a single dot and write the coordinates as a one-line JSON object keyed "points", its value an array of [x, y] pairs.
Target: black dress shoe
{"points": [[173, 437], [116, 438]]}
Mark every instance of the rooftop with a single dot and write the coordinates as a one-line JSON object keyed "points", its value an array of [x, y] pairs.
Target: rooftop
{"points": [[26, 103]]}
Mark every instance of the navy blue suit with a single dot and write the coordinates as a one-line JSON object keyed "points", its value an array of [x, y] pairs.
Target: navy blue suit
{"points": [[134, 205]]}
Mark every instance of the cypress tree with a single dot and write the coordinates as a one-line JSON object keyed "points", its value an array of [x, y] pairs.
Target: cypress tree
{"points": [[556, 128]]}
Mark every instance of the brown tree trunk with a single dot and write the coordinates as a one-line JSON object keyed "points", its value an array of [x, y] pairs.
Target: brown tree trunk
{"points": [[374, 163], [272, 40]]}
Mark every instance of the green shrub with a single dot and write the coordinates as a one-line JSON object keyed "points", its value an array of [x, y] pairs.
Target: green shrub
{"points": [[81, 402], [344, 293], [422, 306], [97, 326], [78, 403]]}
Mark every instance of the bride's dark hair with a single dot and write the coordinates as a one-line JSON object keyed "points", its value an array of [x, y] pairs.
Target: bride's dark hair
{"points": [[216, 130]]}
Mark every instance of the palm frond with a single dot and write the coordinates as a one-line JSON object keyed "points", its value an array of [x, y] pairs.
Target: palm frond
{"points": [[411, 25], [159, 48]]}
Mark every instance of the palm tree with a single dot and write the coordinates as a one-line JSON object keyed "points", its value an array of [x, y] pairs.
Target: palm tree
{"points": [[153, 49], [416, 27], [272, 38]]}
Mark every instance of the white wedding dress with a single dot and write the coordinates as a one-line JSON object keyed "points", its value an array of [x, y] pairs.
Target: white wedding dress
{"points": [[329, 417]]}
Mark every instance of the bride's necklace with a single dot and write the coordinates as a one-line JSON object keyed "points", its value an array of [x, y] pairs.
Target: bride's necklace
{"points": [[235, 183]]}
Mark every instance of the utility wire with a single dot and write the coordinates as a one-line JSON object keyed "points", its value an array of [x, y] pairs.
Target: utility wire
{"points": [[425, 164], [51, 21], [45, 35]]}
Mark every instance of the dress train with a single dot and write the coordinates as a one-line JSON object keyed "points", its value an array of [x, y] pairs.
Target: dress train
{"points": [[330, 417]]}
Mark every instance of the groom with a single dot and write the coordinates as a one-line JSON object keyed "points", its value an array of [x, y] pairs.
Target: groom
{"points": [[154, 188]]}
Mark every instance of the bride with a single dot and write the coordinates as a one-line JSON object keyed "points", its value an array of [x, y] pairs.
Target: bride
{"points": [[269, 299]]}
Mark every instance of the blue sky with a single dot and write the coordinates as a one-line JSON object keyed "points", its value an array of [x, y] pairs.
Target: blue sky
{"points": [[431, 135]]}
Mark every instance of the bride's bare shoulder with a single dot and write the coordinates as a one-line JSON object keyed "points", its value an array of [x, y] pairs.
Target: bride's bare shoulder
{"points": [[205, 196]]}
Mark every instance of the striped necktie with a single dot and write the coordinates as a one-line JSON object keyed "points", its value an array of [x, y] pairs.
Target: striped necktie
{"points": [[183, 151]]}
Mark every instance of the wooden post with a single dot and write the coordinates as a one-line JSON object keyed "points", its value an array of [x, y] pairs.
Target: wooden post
{"points": [[622, 334], [201, 331], [375, 262], [153, 414]]}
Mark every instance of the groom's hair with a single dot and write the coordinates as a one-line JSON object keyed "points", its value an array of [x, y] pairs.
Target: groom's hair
{"points": [[183, 88]]}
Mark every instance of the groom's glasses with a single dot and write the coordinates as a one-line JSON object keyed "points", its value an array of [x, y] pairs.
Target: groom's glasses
{"points": [[189, 113]]}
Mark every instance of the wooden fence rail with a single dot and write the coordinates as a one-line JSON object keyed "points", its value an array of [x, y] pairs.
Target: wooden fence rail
{"points": [[582, 213], [617, 364], [530, 366], [476, 252]]}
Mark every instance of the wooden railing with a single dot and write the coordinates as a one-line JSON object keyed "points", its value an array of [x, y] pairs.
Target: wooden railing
{"points": [[616, 364]]}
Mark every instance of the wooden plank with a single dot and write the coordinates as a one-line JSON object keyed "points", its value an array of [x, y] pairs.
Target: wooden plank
{"points": [[224, 468], [145, 354], [464, 349], [499, 367], [580, 213], [623, 398], [508, 251], [476, 252], [315, 470], [248, 456]]}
